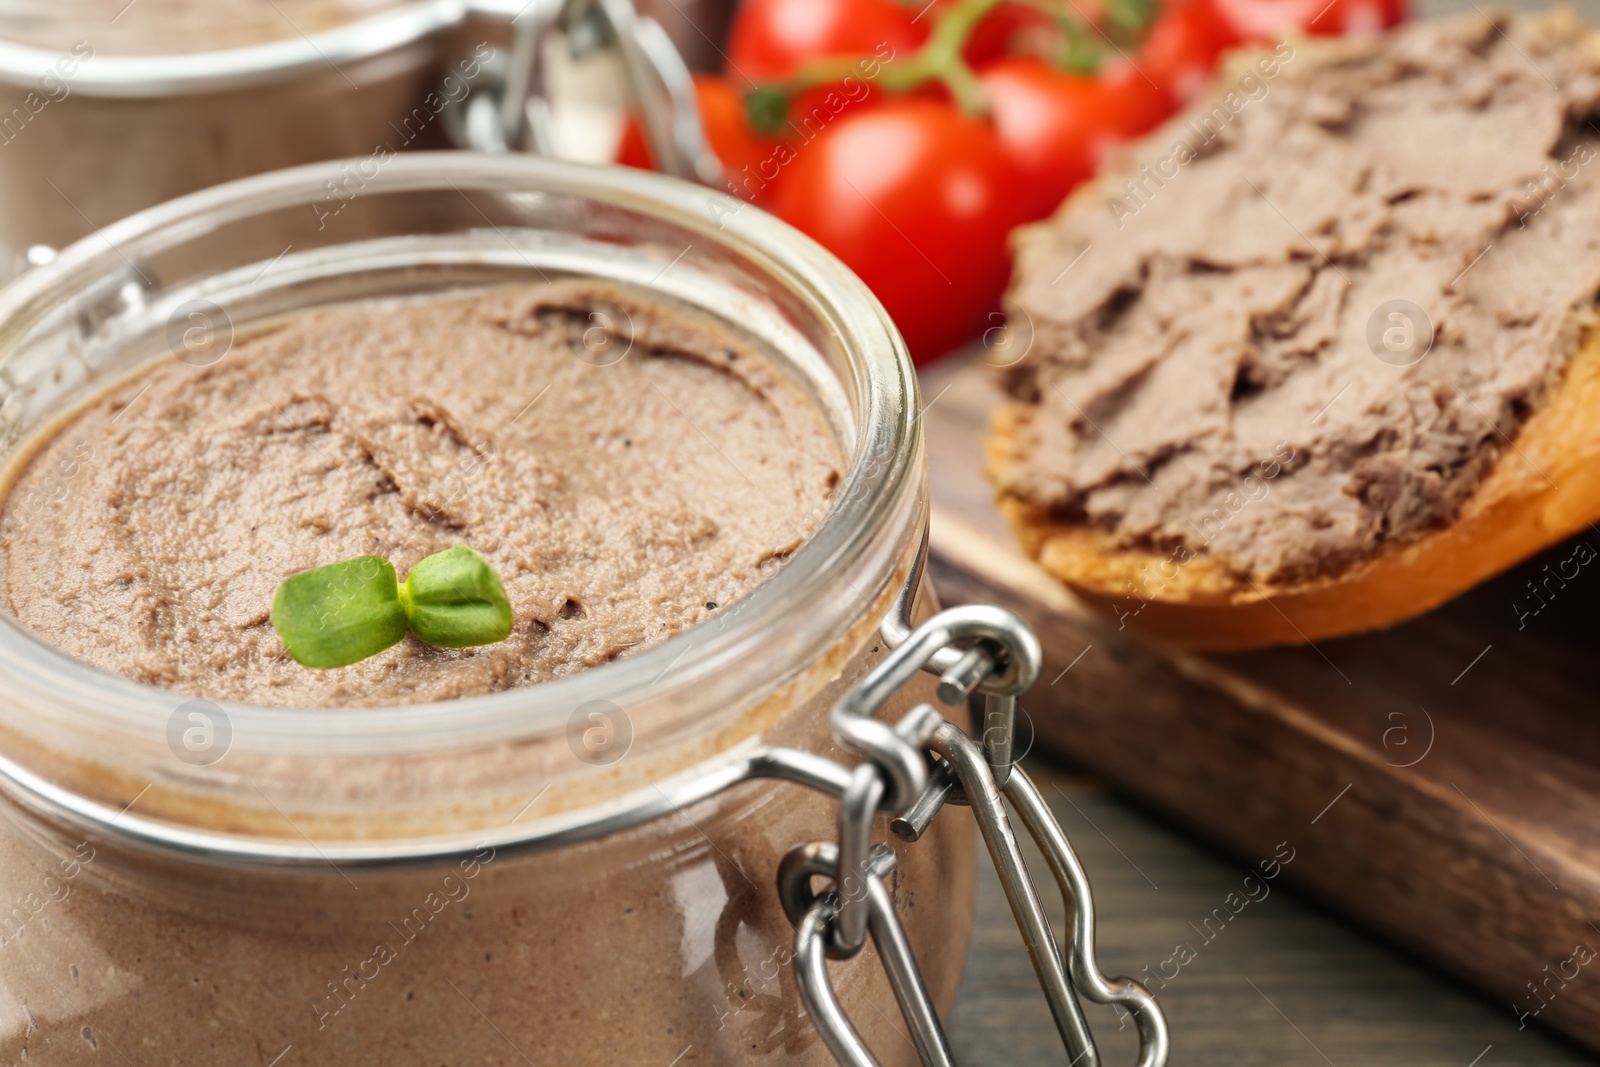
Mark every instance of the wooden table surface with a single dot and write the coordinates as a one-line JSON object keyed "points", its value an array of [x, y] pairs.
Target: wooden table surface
{"points": [[1287, 982], [1284, 984]]}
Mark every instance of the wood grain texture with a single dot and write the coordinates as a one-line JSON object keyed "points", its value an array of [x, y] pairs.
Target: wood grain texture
{"points": [[1436, 779], [1283, 984]]}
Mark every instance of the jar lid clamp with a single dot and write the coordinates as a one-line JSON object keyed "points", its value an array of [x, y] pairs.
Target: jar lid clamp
{"points": [[509, 109], [1001, 662]]}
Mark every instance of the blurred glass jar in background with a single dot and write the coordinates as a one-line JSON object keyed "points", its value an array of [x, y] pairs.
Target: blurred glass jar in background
{"points": [[110, 106]]}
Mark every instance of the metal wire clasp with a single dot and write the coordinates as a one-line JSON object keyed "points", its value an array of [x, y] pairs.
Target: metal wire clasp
{"points": [[509, 109], [974, 648]]}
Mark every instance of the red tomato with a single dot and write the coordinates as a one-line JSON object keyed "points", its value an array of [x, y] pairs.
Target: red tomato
{"points": [[917, 200], [992, 39], [633, 150], [1049, 125], [1134, 104], [749, 161], [772, 39], [1182, 47], [997, 34], [1056, 127], [1269, 20]]}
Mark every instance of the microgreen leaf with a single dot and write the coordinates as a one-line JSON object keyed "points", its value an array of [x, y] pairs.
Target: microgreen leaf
{"points": [[340, 614], [454, 600]]}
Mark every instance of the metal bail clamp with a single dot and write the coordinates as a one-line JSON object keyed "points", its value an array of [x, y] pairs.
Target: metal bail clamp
{"points": [[509, 106], [1000, 659]]}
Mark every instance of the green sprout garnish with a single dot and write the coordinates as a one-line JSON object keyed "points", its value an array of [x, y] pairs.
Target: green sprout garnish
{"points": [[340, 614], [345, 612], [453, 600]]}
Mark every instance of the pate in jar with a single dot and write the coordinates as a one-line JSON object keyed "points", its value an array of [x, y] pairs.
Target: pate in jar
{"points": [[686, 440]]}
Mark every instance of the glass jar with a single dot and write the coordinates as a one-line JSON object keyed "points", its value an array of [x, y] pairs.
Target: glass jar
{"points": [[164, 97], [554, 874], [107, 107]]}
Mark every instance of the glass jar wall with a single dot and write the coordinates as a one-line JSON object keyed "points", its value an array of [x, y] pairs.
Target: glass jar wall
{"points": [[532, 904]]}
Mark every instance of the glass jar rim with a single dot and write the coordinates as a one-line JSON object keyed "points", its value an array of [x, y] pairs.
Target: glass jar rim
{"points": [[883, 472], [142, 75]]}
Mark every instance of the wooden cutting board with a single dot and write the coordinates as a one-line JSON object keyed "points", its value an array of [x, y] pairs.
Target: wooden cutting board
{"points": [[1436, 781]]}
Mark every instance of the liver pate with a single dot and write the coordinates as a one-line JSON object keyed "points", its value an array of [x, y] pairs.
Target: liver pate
{"points": [[619, 502], [1227, 356]]}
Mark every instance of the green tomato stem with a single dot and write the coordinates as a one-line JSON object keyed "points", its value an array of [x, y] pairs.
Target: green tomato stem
{"points": [[941, 56], [940, 59]]}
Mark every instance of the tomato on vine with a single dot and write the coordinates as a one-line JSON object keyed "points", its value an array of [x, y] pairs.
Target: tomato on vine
{"points": [[772, 40], [909, 137], [750, 161], [1183, 45], [916, 198], [1269, 20], [1055, 127], [1003, 32]]}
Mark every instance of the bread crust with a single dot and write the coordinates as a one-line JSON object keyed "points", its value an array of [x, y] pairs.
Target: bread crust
{"points": [[1544, 486]]}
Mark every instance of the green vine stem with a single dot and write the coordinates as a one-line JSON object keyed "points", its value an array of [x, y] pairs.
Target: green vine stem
{"points": [[941, 59]]}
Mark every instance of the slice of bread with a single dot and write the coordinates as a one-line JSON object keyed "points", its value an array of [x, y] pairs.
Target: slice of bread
{"points": [[1540, 491], [1531, 479]]}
